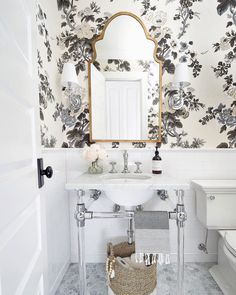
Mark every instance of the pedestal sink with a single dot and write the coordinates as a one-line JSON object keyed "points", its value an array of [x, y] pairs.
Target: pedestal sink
{"points": [[128, 189], [124, 189]]}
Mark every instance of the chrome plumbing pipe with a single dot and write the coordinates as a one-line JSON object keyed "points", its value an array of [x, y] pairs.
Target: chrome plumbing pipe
{"points": [[123, 215], [130, 231]]}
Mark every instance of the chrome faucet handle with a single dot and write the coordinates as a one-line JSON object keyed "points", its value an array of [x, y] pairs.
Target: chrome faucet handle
{"points": [[138, 170], [113, 169]]}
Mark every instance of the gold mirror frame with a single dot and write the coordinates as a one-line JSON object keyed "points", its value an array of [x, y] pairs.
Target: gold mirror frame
{"points": [[94, 55]]}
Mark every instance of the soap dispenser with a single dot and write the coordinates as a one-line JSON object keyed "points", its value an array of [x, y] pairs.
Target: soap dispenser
{"points": [[156, 163]]}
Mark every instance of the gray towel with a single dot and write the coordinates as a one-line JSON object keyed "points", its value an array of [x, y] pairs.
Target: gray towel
{"points": [[152, 233], [151, 220]]}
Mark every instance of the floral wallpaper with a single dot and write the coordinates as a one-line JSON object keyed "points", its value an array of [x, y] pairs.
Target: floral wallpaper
{"points": [[48, 53], [199, 32]]}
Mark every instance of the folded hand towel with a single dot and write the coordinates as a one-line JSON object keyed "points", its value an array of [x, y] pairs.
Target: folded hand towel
{"points": [[151, 220], [152, 236]]}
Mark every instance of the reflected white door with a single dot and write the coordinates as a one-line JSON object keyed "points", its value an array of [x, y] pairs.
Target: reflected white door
{"points": [[123, 109], [98, 104], [21, 267]]}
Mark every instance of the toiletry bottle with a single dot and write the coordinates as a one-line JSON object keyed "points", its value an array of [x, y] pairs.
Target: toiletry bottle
{"points": [[156, 163]]}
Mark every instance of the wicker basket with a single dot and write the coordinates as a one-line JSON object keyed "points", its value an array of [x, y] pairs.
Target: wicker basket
{"points": [[135, 281]]}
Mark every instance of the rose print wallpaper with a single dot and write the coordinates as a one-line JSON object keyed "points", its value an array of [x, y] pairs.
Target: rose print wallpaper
{"points": [[48, 53], [199, 32]]}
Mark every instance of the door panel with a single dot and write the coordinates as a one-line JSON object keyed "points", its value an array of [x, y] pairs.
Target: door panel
{"points": [[16, 20], [123, 109], [21, 239], [16, 202], [16, 144], [16, 266]]}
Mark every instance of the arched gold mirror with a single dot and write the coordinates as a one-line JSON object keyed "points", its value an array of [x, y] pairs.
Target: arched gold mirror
{"points": [[125, 82]]}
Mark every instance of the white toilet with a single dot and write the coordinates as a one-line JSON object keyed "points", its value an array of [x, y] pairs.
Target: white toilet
{"points": [[216, 210], [224, 272]]}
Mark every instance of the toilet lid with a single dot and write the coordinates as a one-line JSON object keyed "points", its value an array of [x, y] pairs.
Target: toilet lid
{"points": [[230, 241]]}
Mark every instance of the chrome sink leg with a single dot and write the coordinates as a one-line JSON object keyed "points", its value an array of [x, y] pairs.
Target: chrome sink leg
{"points": [[80, 218], [181, 217]]}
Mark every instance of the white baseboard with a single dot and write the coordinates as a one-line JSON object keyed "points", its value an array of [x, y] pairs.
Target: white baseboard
{"points": [[59, 278], [202, 257]]}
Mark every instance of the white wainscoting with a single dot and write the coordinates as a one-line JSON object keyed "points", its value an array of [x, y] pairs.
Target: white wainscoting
{"points": [[186, 164], [57, 217]]}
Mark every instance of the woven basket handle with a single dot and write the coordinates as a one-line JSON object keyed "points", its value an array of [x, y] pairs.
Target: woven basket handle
{"points": [[110, 262], [110, 251]]}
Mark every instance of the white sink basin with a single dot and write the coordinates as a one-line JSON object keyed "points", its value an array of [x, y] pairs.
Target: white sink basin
{"points": [[128, 189]]}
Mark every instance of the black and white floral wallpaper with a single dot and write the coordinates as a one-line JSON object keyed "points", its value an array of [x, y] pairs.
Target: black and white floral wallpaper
{"points": [[49, 89], [199, 32]]}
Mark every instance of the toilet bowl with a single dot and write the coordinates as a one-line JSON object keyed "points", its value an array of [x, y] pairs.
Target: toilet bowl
{"points": [[224, 272]]}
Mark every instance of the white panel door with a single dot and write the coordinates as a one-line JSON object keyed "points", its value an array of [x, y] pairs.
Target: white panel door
{"points": [[98, 104], [21, 267], [123, 109]]}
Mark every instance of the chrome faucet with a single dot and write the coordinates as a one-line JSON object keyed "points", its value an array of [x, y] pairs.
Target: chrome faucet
{"points": [[126, 168]]}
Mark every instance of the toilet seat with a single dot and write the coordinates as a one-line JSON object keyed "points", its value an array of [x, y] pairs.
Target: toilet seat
{"points": [[229, 240]]}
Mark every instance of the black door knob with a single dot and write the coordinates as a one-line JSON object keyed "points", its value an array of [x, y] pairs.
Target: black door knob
{"points": [[48, 172]]}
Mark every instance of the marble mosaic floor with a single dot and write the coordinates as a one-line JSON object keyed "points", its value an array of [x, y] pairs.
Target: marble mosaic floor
{"points": [[198, 280]]}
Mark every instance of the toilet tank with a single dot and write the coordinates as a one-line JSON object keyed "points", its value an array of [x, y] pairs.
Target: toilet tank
{"points": [[216, 203]]}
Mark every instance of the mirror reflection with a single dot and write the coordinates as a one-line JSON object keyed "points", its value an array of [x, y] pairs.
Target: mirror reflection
{"points": [[124, 83]]}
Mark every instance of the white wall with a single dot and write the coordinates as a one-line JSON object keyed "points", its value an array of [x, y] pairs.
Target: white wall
{"points": [[185, 164], [57, 218]]}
